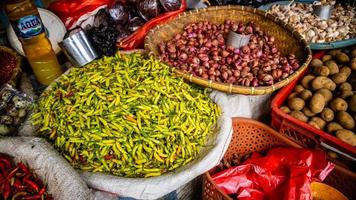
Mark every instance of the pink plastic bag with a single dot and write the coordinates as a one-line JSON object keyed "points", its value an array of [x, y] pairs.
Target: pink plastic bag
{"points": [[284, 173]]}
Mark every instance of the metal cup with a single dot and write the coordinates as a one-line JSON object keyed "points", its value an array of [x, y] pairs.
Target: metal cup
{"points": [[323, 11], [236, 40], [196, 4], [78, 49]]}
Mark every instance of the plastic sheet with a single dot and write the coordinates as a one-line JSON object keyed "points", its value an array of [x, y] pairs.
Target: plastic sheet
{"points": [[70, 11], [137, 39], [284, 173]]}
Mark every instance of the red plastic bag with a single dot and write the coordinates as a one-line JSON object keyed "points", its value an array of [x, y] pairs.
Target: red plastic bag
{"points": [[69, 11], [137, 39], [284, 173]]}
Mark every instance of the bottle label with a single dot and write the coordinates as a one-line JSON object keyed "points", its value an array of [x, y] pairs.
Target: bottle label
{"points": [[28, 26]]}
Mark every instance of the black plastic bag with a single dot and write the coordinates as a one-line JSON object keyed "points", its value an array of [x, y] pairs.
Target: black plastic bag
{"points": [[119, 13], [148, 9], [170, 5]]}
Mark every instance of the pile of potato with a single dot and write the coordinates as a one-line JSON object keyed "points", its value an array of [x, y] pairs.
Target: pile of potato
{"points": [[326, 97]]}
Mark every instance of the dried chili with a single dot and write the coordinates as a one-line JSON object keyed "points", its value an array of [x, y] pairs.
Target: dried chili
{"points": [[18, 182], [7, 65]]}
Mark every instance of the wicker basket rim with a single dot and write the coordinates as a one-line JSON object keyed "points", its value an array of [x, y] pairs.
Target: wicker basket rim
{"points": [[251, 90]]}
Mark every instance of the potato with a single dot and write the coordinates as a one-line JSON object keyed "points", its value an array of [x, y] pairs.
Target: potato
{"points": [[327, 114], [296, 103], [307, 112], [307, 80], [306, 94], [299, 115], [353, 53], [314, 124], [321, 71], [328, 95], [345, 86], [285, 109], [346, 94], [333, 67], [316, 63], [339, 77], [345, 120], [326, 58], [347, 136], [292, 95], [321, 123], [332, 127], [338, 104], [345, 70], [352, 103], [353, 64], [323, 82], [317, 103], [334, 52], [342, 58], [298, 88]]}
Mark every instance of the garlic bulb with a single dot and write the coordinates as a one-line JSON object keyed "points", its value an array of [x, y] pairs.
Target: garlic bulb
{"points": [[340, 26]]}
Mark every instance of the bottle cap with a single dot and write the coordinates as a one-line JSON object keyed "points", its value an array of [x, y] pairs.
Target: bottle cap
{"points": [[55, 31]]}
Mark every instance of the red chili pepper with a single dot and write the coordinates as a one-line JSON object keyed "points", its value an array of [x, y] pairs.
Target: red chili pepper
{"points": [[5, 161], [34, 197], [26, 177], [6, 190], [12, 173], [18, 185], [108, 157], [19, 175], [23, 168], [70, 94], [3, 167], [32, 184], [42, 191], [18, 194], [2, 189]]}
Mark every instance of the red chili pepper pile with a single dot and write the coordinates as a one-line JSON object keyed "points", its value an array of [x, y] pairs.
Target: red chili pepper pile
{"points": [[7, 65], [18, 182]]}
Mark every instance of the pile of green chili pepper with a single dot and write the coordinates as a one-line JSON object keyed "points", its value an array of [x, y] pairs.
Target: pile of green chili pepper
{"points": [[18, 182], [126, 115]]}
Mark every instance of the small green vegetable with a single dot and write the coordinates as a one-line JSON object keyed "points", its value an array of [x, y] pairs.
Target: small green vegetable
{"points": [[126, 115]]}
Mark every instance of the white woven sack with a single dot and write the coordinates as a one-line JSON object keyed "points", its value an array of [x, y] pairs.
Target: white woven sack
{"points": [[152, 188], [63, 182]]}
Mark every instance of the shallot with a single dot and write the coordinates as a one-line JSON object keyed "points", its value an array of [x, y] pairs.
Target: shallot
{"points": [[202, 51]]}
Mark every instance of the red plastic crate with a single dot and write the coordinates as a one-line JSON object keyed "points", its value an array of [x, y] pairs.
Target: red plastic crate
{"points": [[301, 132]]}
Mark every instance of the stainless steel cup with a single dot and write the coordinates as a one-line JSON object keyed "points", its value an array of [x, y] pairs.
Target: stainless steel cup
{"points": [[236, 40], [323, 11], [78, 49], [196, 4]]}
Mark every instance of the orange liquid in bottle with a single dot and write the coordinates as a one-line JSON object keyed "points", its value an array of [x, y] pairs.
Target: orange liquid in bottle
{"points": [[25, 20]]}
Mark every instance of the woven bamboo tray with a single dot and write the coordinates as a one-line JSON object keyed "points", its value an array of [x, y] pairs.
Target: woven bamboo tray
{"points": [[287, 41]]}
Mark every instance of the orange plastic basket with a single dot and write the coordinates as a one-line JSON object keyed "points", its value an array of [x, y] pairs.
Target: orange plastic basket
{"points": [[251, 136]]}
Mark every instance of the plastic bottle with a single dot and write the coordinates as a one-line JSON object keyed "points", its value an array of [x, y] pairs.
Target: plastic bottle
{"points": [[26, 21]]}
